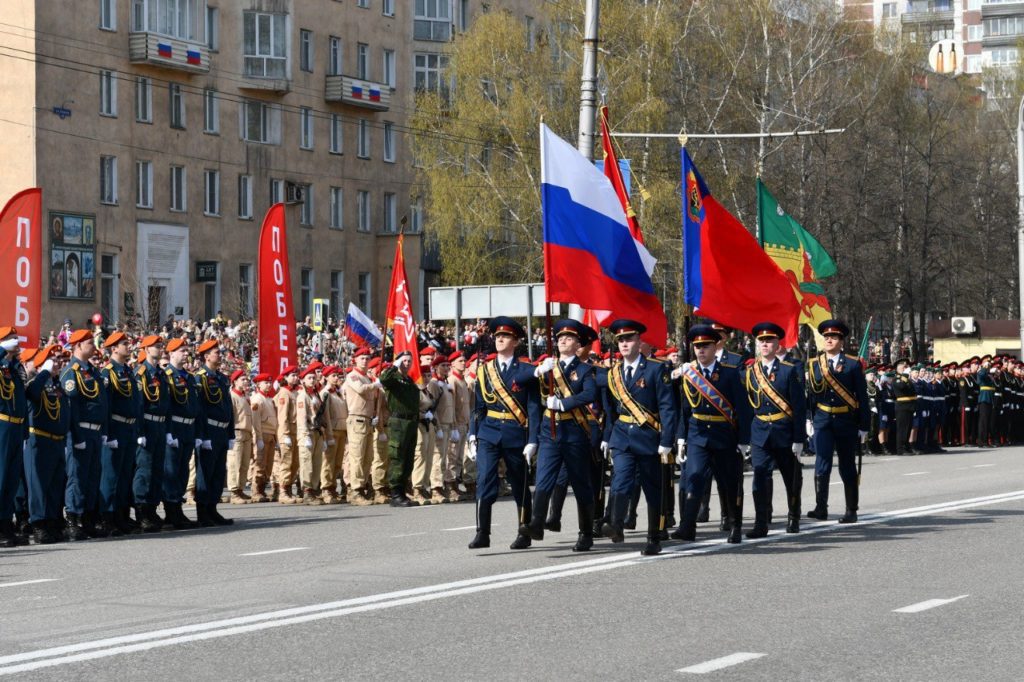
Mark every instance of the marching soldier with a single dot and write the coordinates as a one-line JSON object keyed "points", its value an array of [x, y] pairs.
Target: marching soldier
{"points": [[427, 472], [714, 422], [361, 396], [986, 401], [264, 415], [182, 435], [446, 433], [906, 401], [336, 413], [503, 428], [777, 432], [567, 389], [88, 404], [287, 443], [216, 426], [309, 408], [154, 439], [837, 399], [403, 396], [49, 419], [13, 411], [240, 455], [118, 460]]}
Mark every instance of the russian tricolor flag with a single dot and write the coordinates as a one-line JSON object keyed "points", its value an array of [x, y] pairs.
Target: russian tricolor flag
{"points": [[590, 256], [193, 57], [164, 50], [360, 329], [357, 91], [374, 95]]}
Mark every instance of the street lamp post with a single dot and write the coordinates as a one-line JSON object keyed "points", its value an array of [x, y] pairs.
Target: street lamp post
{"points": [[1020, 221]]}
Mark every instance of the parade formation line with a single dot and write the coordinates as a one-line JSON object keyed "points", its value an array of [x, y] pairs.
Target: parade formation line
{"points": [[144, 641]]}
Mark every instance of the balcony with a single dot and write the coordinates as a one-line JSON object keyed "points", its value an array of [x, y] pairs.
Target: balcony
{"points": [[160, 50], [928, 11], [265, 74], [358, 92]]}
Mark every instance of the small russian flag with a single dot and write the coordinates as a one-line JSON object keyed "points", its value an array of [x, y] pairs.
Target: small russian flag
{"points": [[357, 91], [193, 57], [164, 50], [374, 95]]}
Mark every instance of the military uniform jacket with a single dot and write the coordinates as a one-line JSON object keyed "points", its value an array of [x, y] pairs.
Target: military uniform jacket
{"points": [[492, 419], [821, 397], [702, 424], [336, 412], [264, 414], [886, 400], [284, 401], [460, 394], [12, 395], [651, 390], [906, 394], [155, 399], [771, 427], [444, 401], [986, 387], [49, 411], [308, 414], [88, 401], [360, 395], [184, 400], [403, 394], [125, 397], [577, 389], [216, 416], [244, 419]]}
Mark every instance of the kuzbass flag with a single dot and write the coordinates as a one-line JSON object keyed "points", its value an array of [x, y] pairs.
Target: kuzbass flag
{"points": [[798, 254]]}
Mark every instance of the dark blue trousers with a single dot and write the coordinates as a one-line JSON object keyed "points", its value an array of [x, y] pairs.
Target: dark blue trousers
{"points": [[82, 491], [211, 471], [11, 463], [563, 463], [176, 462], [837, 436], [726, 465], [487, 457], [147, 484], [116, 467], [628, 468], [44, 477]]}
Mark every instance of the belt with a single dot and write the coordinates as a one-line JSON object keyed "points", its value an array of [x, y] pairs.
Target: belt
{"points": [[159, 418], [842, 409], [45, 434], [13, 420], [772, 417], [183, 420], [716, 418], [559, 416], [405, 416], [906, 399], [122, 420], [500, 415], [219, 425], [89, 425], [988, 388]]}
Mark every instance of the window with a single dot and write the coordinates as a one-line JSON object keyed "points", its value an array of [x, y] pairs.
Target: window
{"points": [[363, 61], [108, 15], [305, 128], [178, 188], [276, 191], [306, 50], [973, 4], [390, 212], [306, 282], [1004, 26], [463, 15], [211, 185], [337, 209], [365, 4], [390, 74], [211, 112], [213, 28], [264, 46], [108, 179], [336, 139], [337, 290], [1004, 56], [245, 197], [244, 290], [531, 34], [109, 287], [144, 184], [364, 292], [416, 210], [432, 21], [177, 103], [388, 8], [429, 73], [975, 32], [306, 207], [888, 9], [972, 63], [261, 122], [334, 56], [182, 19], [389, 142], [363, 205], [363, 139], [108, 93], [143, 100]]}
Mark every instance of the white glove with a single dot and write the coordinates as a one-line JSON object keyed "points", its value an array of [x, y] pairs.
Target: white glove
{"points": [[681, 444], [259, 445], [47, 366], [555, 404], [103, 441], [199, 443], [745, 449], [676, 373], [207, 445], [875, 410], [231, 443], [376, 383], [925, 413], [286, 441], [169, 439], [374, 421], [544, 367], [307, 442], [79, 446], [798, 449], [113, 444], [663, 450], [863, 435], [529, 451], [428, 415], [9, 345], [471, 453], [141, 441], [330, 443], [175, 443], [810, 428], [446, 386], [382, 437], [681, 456], [455, 435]]}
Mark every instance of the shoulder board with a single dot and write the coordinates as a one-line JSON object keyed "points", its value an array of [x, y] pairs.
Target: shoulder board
{"points": [[169, 372], [200, 372], [655, 360], [853, 357], [726, 364], [108, 366], [749, 362], [787, 363], [141, 370]]}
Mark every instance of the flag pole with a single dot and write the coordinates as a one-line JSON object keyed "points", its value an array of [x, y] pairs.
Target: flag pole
{"points": [[547, 292]]}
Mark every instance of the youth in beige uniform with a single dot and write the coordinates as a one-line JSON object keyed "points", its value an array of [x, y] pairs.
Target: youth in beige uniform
{"points": [[241, 453], [469, 465], [361, 397], [287, 444], [264, 415], [379, 469], [427, 480], [310, 435], [337, 412]]}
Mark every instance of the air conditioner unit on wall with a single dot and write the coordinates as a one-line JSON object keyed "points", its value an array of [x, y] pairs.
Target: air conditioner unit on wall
{"points": [[293, 193], [962, 325]]}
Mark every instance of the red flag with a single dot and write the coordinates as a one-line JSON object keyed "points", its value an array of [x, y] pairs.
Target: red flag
{"points": [[614, 174], [21, 262], [399, 313], [592, 319], [277, 342]]}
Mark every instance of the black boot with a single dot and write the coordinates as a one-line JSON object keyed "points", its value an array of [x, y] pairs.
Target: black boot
{"points": [[21, 525], [42, 533], [760, 528], [736, 525], [126, 522], [704, 514], [612, 529], [654, 531], [145, 523], [585, 514], [176, 517], [73, 532], [214, 515], [482, 539], [399, 499], [108, 525], [203, 517], [554, 520], [534, 528], [793, 520], [852, 498], [9, 537], [90, 527], [723, 502], [687, 530], [820, 510], [629, 523]]}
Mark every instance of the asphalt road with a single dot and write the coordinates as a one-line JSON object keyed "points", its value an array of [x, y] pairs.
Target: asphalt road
{"points": [[377, 593]]}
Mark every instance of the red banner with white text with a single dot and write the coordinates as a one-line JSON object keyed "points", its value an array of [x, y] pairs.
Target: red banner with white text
{"points": [[21, 264], [276, 317], [399, 313]]}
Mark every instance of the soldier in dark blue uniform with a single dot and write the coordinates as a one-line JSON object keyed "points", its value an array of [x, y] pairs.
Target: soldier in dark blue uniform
{"points": [[777, 431], [154, 439], [838, 402], [503, 426], [714, 422], [117, 466], [639, 430], [181, 437], [49, 418], [88, 402], [567, 389], [217, 431], [13, 411]]}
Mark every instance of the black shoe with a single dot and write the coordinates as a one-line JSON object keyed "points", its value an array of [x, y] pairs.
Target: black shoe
{"points": [[757, 532], [598, 527], [613, 533], [202, 517], [553, 526], [852, 498], [793, 524], [585, 519], [9, 537], [583, 543], [820, 514], [400, 501], [214, 515], [704, 515], [146, 524], [73, 531], [175, 517], [629, 523], [521, 542], [681, 533], [849, 517], [90, 527], [534, 532], [108, 526], [480, 541], [652, 548], [724, 525], [43, 533]]}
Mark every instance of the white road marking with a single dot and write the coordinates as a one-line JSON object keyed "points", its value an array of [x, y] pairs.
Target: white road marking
{"points": [[275, 551], [929, 604], [719, 663], [30, 582], [835, 483], [887, 459], [144, 641], [409, 535], [917, 473], [469, 527], [978, 466]]}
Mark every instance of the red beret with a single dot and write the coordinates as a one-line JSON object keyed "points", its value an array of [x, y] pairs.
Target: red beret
{"points": [[374, 361], [207, 346], [329, 370], [306, 372], [175, 344], [290, 369], [455, 356], [263, 377], [661, 353], [151, 340], [473, 357], [44, 355], [7, 331], [78, 336], [438, 361], [429, 350], [237, 373], [114, 339], [364, 350], [315, 365], [28, 354]]}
